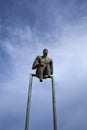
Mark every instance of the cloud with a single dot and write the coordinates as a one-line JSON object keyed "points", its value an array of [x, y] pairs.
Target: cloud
{"points": [[69, 68]]}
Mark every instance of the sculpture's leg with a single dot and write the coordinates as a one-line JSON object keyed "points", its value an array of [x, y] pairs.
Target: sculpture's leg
{"points": [[28, 103], [54, 105], [40, 73], [48, 70]]}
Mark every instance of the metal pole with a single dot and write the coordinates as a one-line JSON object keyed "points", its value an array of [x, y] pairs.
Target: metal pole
{"points": [[28, 103], [54, 105]]}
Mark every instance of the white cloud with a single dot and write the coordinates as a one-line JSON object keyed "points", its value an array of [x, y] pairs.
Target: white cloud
{"points": [[70, 66]]}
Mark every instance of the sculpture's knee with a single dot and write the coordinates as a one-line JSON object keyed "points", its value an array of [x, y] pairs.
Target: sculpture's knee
{"points": [[39, 72]]}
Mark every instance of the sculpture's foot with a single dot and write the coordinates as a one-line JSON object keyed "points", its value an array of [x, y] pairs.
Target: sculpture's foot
{"points": [[41, 80], [48, 76]]}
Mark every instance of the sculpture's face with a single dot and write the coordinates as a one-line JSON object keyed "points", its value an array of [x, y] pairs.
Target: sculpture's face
{"points": [[45, 52]]}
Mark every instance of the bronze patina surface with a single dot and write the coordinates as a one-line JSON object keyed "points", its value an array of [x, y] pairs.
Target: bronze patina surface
{"points": [[43, 65]]}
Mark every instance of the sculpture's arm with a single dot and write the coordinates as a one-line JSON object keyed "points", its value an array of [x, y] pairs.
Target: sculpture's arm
{"points": [[35, 63], [51, 66]]}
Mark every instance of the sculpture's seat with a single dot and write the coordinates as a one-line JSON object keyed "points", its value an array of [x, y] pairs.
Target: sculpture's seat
{"points": [[44, 77]]}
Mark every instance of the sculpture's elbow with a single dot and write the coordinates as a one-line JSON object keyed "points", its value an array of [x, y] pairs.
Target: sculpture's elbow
{"points": [[33, 68]]}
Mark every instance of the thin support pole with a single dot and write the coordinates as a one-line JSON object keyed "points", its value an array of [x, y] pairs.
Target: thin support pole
{"points": [[54, 105], [28, 103]]}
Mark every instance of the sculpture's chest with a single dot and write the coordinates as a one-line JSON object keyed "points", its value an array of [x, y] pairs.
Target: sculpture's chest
{"points": [[45, 60]]}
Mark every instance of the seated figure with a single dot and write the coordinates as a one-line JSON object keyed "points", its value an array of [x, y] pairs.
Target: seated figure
{"points": [[43, 66]]}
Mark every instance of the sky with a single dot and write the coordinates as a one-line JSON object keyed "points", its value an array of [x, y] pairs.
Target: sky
{"points": [[26, 28]]}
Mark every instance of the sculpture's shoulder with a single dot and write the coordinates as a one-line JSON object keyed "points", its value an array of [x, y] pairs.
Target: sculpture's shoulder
{"points": [[49, 59], [38, 57]]}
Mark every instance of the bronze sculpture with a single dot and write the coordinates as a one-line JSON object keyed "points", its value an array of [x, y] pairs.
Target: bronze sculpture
{"points": [[43, 65], [44, 69]]}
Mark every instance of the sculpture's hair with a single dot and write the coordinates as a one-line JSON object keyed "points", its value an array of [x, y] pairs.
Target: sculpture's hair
{"points": [[45, 50]]}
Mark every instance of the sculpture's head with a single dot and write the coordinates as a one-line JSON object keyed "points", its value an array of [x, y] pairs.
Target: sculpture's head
{"points": [[45, 52]]}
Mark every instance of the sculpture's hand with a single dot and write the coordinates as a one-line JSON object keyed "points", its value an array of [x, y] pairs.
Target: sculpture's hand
{"points": [[41, 64]]}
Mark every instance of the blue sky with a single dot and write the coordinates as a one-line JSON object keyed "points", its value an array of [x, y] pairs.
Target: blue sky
{"points": [[26, 27]]}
